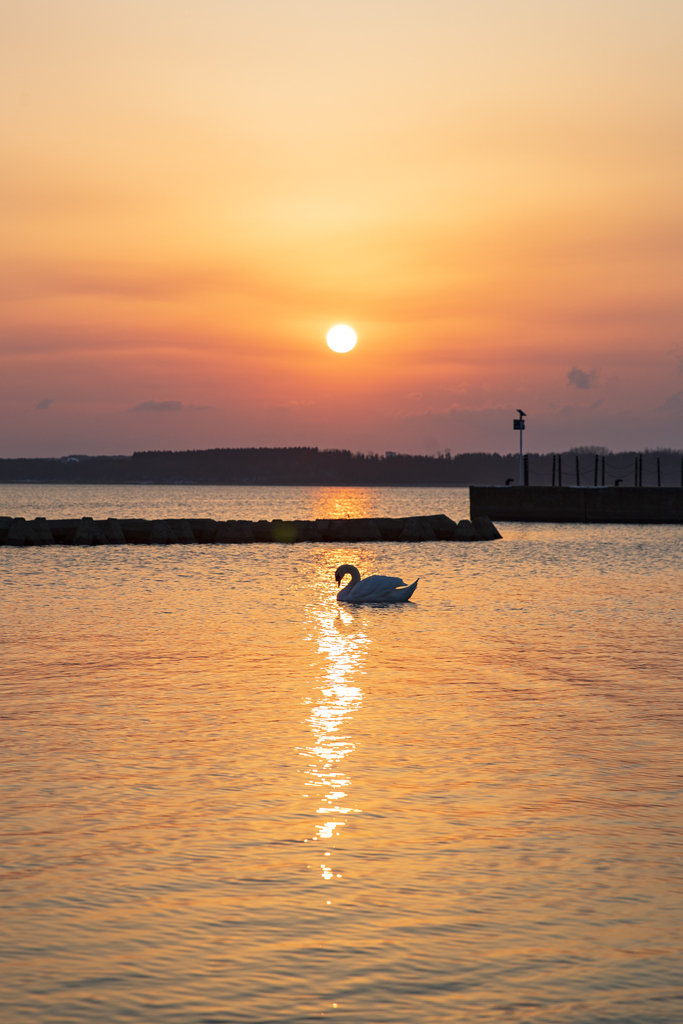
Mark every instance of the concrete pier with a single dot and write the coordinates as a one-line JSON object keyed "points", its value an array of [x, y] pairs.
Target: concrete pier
{"points": [[17, 532], [578, 504]]}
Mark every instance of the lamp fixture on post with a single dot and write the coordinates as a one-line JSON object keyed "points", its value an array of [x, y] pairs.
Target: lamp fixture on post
{"points": [[520, 425]]}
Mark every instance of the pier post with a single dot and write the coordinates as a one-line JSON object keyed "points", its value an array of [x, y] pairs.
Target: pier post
{"points": [[578, 476]]}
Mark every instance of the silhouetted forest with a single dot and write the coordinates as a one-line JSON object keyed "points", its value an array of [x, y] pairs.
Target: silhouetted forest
{"points": [[333, 467]]}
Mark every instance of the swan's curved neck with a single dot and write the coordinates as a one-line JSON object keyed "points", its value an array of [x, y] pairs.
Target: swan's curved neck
{"points": [[351, 571]]}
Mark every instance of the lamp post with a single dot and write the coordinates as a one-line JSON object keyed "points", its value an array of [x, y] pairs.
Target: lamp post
{"points": [[520, 425]]}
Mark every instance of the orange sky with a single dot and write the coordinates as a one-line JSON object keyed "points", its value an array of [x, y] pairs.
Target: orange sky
{"points": [[192, 193]]}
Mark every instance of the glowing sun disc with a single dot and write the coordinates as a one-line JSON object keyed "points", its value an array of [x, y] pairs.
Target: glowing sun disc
{"points": [[341, 338]]}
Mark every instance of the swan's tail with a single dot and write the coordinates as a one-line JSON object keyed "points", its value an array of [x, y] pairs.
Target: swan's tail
{"points": [[405, 593]]}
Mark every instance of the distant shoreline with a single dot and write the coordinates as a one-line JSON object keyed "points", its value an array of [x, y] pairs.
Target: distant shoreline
{"points": [[312, 467]]}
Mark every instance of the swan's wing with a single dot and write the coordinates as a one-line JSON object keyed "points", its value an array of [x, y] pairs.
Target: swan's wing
{"points": [[375, 588], [386, 581]]}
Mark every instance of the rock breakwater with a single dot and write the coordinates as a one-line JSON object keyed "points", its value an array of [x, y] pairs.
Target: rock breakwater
{"points": [[86, 532]]}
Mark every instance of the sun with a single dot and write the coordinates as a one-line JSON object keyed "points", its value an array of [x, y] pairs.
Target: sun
{"points": [[341, 338]]}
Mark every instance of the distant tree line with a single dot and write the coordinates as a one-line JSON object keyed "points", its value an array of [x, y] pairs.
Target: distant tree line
{"points": [[312, 466]]}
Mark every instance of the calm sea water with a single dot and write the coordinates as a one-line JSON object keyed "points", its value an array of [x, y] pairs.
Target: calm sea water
{"points": [[228, 799], [130, 501]]}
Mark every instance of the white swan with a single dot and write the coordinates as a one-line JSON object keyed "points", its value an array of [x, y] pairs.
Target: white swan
{"points": [[373, 589]]}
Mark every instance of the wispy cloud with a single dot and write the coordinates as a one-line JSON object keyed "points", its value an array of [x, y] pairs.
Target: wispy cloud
{"points": [[581, 380], [45, 404], [153, 406], [158, 407]]}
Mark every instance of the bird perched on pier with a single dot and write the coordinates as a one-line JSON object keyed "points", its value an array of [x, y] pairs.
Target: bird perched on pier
{"points": [[373, 589]]}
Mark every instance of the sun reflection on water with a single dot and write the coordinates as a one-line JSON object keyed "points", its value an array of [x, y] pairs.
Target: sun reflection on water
{"points": [[340, 640], [343, 503]]}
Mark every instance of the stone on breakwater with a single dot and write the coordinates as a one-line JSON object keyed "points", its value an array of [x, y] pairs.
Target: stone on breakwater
{"points": [[63, 530], [235, 531], [286, 531], [283, 532], [20, 534], [203, 530], [162, 533], [111, 528], [307, 532], [88, 533], [42, 530], [484, 529], [416, 529], [262, 531], [322, 526], [136, 531], [352, 531], [444, 528], [183, 531], [465, 531], [279, 531], [5, 523], [390, 529], [437, 527]]}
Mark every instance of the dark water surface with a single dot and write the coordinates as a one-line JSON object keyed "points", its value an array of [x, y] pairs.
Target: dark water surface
{"points": [[228, 799]]}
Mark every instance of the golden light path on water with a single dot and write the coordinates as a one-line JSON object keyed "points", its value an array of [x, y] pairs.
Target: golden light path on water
{"points": [[486, 780], [343, 645]]}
